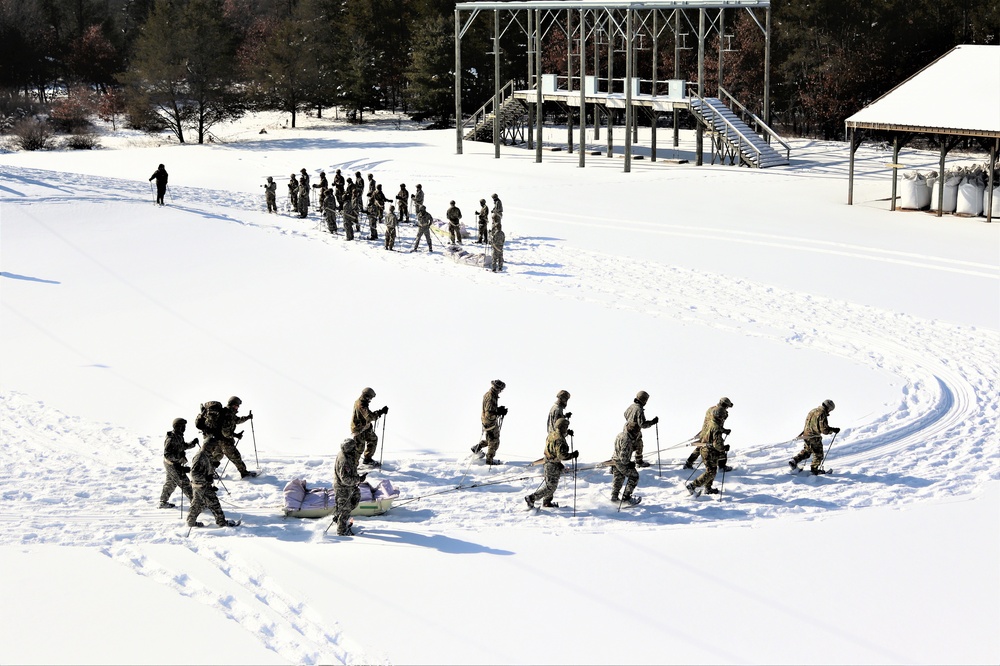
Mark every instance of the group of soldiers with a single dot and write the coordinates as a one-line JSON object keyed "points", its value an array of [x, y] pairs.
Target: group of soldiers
{"points": [[627, 458], [217, 424], [344, 197]]}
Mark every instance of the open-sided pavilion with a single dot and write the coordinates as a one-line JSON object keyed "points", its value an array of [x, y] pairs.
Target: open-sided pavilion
{"points": [[957, 96], [738, 135]]}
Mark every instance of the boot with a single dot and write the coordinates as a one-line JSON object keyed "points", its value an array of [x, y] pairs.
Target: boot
{"points": [[615, 498], [248, 473], [493, 461], [641, 463], [368, 460], [479, 447], [794, 465], [196, 523], [817, 471], [167, 505], [688, 465], [712, 491], [550, 504], [531, 501], [691, 487], [725, 468], [628, 499]]}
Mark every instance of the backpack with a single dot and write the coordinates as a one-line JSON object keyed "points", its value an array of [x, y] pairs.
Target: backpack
{"points": [[209, 420]]}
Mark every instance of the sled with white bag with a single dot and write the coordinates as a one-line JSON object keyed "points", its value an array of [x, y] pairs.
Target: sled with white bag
{"points": [[304, 502]]}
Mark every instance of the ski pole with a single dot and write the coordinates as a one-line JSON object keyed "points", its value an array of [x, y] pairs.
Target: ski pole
{"points": [[254, 435], [574, 476], [828, 450], [722, 487], [151, 191], [382, 450], [659, 466], [694, 470]]}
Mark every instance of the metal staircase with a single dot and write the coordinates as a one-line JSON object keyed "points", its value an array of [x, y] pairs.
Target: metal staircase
{"points": [[733, 139], [512, 116]]}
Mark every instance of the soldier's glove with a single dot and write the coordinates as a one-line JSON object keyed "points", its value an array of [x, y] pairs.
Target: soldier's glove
{"points": [[568, 415], [573, 456], [569, 432], [501, 410], [185, 469], [215, 489], [362, 478], [726, 448], [215, 464], [194, 442], [835, 430], [238, 435], [726, 431], [385, 410], [250, 415], [654, 420]]}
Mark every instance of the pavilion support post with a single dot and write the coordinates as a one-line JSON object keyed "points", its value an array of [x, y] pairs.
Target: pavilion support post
{"points": [[653, 113], [458, 83], [767, 66], [629, 73], [583, 92], [850, 168], [611, 84], [569, 79], [944, 153], [722, 35], [496, 84], [538, 86], [895, 171], [597, 76], [531, 78], [677, 72], [989, 180], [699, 146]]}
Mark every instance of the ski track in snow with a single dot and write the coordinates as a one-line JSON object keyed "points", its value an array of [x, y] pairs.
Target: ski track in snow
{"points": [[940, 440]]}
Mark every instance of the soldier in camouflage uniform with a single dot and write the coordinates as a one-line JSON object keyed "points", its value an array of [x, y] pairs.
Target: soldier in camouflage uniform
{"points": [[293, 194], [350, 217], [556, 451], [423, 228], [497, 239], [330, 213], [324, 188], [816, 426], [622, 466], [403, 201], [363, 424], [491, 416], [636, 414], [227, 436], [716, 414], [418, 198], [271, 194], [390, 228], [338, 188], [303, 194], [202, 480], [347, 496], [497, 208], [713, 450], [556, 411], [454, 215], [175, 462], [483, 219]]}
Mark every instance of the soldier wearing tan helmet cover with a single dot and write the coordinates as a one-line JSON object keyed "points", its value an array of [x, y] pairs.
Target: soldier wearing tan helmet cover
{"points": [[816, 426], [636, 414]]}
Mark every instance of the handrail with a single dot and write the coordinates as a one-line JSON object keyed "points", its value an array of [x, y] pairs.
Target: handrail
{"points": [[760, 123], [743, 141], [480, 114]]}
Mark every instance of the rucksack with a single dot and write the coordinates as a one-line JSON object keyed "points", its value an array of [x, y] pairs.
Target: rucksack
{"points": [[209, 420]]}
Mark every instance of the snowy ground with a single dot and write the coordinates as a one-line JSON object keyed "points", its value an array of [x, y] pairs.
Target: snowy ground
{"points": [[690, 283]]}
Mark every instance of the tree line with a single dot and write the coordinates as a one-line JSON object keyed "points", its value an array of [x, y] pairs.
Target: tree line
{"points": [[185, 65]]}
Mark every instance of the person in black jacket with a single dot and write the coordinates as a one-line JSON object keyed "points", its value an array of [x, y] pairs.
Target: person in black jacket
{"points": [[161, 183], [175, 462]]}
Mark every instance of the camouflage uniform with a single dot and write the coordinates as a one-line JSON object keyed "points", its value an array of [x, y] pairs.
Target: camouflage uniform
{"points": [[350, 218], [330, 213], [622, 466], [712, 451], [636, 414], [484, 216], [497, 208], [390, 229], [303, 195], [497, 239], [418, 197], [175, 462], [716, 414], [202, 479], [491, 418], [347, 496], [556, 450], [423, 229], [293, 194], [403, 202], [556, 411], [338, 188], [271, 195], [816, 426], [363, 423], [323, 187], [454, 215], [227, 438]]}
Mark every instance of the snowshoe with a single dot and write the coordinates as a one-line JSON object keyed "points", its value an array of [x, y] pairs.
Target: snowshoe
{"points": [[794, 465], [817, 472], [228, 523], [479, 447], [631, 500], [167, 505], [371, 462], [196, 523], [688, 465], [641, 463], [551, 505], [530, 501], [249, 474], [691, 488], [615, 498], [493, 461], [725, 468], [711, 491]]}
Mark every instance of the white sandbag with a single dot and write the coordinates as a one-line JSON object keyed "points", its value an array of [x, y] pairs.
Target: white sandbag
{"points": [[970, 198], [913, 191], [951, 185], [996, 202], [479, 259]]}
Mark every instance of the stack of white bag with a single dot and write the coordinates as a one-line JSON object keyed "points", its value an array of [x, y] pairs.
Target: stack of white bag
{"points": [[970, 192], [304, 502], [952, 181], [914, 192]]}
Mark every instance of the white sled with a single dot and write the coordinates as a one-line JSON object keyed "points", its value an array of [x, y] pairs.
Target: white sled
{"points": [[304, 502]]}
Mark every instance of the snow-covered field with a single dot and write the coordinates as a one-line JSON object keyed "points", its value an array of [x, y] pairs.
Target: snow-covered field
{"points": [[689, 283]]}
